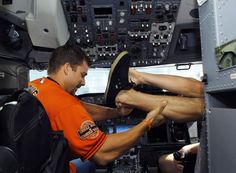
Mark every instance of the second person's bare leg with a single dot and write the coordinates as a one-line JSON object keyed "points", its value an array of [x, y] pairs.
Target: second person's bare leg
{"points": [[180, 109], [188, 87]]}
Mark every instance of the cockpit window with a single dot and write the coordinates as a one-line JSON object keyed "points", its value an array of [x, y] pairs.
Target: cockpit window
{"points": [[96, 79]]}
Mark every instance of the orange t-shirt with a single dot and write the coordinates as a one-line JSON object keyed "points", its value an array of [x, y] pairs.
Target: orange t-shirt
{"points": [[66, 113]]}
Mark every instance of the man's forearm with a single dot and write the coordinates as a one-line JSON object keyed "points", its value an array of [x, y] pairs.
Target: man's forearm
{"points": [[119, 143], [99, 113]]}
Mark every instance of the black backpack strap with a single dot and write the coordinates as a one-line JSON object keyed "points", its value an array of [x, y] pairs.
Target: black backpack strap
{"points": [[58, 161], [8, 160], [3, 100]]}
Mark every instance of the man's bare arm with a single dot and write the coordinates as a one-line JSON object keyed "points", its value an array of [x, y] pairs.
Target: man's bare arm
{"points": [[119, 143], [99, 113]]}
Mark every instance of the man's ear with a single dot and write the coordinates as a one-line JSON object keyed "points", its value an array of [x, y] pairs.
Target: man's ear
{"points": [[66, 68]]}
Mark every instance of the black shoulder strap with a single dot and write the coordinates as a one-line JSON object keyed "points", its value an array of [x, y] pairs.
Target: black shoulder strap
{"points": [[3, 100], [58, 161], [8, 160]]}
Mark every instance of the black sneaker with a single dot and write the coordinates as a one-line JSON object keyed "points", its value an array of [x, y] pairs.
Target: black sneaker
{"points": [[118, 78]]}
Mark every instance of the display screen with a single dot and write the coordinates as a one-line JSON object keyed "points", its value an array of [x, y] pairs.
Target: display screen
{"points": [[119, 128], [123, 128], [102, 10]]}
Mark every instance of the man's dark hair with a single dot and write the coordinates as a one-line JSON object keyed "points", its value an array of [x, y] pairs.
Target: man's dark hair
{"points": [[67, 54]]}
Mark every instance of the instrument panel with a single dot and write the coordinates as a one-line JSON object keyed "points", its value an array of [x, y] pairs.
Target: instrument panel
{"points": [[105, 28]]}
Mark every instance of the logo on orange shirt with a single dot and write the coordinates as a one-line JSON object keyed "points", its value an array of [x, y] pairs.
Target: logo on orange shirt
{"points": [[88, 130]]}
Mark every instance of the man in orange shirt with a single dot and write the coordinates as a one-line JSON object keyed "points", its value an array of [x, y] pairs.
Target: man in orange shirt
{"points": [[67, 69]]}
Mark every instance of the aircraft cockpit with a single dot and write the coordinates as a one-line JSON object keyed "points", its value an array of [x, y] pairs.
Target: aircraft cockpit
{"points": [[161, 37]]}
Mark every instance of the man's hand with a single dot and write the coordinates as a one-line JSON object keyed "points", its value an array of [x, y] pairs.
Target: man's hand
{"points": [[155, 117], [189, 149]]}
